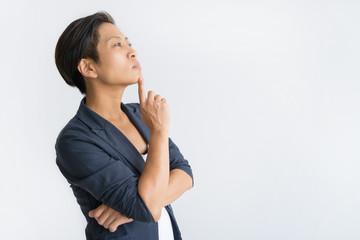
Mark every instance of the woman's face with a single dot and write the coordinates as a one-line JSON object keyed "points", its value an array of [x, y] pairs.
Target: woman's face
{"points": [[117, 60]]}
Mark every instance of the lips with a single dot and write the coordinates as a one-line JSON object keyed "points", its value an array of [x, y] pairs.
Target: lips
{"points": [[137, 65]]}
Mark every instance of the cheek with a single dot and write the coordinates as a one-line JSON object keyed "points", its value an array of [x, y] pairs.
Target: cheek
{"points": [[116, 69], [118, 62], [111, 57], [113, 64]]}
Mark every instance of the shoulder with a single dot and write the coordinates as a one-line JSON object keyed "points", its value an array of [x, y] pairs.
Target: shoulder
{"points": [[134, 106], [74, 125], [74, 131]]}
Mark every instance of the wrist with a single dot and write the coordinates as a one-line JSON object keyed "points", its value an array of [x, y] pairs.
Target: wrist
{"points": [[161, 132]]}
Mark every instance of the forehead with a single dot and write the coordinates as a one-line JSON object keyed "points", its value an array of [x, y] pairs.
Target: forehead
{"points": [[107, 30]]}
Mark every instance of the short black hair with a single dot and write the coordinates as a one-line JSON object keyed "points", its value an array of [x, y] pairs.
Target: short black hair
{"points": [[79, 40]]}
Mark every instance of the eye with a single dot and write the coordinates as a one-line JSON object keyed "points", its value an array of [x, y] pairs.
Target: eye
{"points": [[119, 44]]}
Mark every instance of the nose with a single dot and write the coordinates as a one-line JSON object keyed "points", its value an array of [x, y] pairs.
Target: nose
{"points": [[132, 53]]}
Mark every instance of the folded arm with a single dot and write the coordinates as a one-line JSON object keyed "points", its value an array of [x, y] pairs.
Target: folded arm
{"points": [[109, 180], [179, 182]]}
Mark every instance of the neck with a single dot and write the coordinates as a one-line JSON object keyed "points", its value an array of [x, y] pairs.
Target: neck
{"points": [[106, 102]]}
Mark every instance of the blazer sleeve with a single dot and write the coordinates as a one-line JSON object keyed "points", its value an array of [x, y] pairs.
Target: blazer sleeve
{"points": [[177, 160], [108, 180]]}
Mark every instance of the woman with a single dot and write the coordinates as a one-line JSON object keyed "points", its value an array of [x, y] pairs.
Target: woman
{"points": [[122, 166]]}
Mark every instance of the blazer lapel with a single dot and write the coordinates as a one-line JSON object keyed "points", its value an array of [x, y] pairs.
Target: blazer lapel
{"points": [[113, 136], [135, 118]]}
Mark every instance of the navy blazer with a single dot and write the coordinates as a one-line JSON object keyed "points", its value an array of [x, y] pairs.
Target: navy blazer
{"points": [[103, 166]]}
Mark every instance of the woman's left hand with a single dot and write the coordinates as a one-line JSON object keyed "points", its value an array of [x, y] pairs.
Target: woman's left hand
{"points": [[108, 217]]}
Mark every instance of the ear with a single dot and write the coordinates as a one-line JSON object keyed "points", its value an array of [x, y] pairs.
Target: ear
{"points": [[86, 68]]}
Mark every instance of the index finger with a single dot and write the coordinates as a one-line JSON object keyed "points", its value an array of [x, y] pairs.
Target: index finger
{"points": [[142, 94]]}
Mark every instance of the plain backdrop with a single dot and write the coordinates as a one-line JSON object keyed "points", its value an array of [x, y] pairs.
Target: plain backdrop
{"points": [[264, 100]]}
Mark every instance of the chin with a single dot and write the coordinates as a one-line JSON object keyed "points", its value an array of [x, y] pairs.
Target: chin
{"points": [[131, 82], [136, 79]]}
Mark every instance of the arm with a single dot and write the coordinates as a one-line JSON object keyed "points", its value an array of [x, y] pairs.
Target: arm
{"points": [[109, 181], [111, 219], [155, 175], [153, 181], [84, 164], [180, 180]]}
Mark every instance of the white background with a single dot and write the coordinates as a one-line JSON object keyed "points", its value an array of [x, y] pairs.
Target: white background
{"points": [[264, 100]]}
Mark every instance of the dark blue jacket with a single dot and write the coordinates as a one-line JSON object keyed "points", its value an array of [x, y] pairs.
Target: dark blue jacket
{"points": [[103, 166]]}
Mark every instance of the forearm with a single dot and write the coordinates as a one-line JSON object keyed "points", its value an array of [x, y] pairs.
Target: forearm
{"points": [[154, 180], [179, 182]]}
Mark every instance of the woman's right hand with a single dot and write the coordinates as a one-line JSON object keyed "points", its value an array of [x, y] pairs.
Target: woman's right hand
{"points": [[155, 111]]}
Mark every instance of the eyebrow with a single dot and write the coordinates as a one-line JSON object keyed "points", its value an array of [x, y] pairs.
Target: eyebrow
{"points": [[115, 37]]}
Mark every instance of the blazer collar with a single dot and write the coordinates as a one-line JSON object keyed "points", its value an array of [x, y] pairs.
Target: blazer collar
{"points": [[112, 135]]}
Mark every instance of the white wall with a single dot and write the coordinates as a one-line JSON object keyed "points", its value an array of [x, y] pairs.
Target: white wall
{"points": [[264, 99]]}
